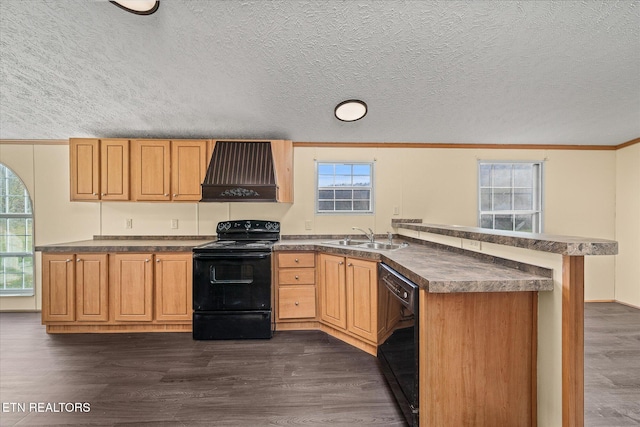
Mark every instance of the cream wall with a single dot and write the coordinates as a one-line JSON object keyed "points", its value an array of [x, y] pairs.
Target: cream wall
{"points": [[436, 185], [628, 225]]}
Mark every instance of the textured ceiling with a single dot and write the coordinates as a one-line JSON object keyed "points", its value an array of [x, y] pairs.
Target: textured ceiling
{"points": [[517, 72]]}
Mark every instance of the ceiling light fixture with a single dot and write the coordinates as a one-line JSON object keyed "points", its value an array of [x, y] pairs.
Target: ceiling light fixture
{"points": [[139, 7], [350, 110]]}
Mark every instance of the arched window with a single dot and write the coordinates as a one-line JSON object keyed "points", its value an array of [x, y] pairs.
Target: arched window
{"points": [[16, 235]]}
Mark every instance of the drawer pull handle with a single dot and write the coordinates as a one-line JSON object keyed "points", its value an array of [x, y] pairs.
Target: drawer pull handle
{"points": [[297, 303], [297, 277], [297, 260]]}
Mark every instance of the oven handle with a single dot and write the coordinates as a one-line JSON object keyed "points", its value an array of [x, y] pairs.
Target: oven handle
{"points": [[234, 256]]}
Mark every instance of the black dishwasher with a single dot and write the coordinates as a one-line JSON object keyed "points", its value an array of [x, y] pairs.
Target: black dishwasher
{"points": [[398, 355]]}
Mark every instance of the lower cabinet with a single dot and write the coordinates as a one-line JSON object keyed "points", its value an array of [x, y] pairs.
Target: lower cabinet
{"points": [[349, 299], [296, 304], [118, 292]]}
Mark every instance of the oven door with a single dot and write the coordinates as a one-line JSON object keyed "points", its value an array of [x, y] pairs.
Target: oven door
{"points": [[232, 281]]}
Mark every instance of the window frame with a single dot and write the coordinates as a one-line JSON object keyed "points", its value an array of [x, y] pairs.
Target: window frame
{"points": [[22, 292], [371, 188], [538, 195]]}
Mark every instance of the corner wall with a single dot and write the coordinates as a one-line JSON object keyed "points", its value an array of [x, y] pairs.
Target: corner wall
{"points": [[627, 288]]}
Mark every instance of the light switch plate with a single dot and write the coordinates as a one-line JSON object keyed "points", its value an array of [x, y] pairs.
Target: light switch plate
{"points": [[174, 223]]}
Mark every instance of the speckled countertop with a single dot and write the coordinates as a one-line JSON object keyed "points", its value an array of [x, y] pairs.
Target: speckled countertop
{"points": [[439, 269], [130, 244], [564, 245]]}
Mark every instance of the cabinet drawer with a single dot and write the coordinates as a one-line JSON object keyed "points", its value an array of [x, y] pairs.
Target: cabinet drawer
{"points": [[296, 259], [297, 302], [297, 276]]}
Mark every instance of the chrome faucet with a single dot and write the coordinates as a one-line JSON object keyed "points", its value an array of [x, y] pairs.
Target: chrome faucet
{"points": [[370, 235], [390, 237]]}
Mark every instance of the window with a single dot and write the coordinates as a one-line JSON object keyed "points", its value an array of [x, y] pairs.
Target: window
{"points": [[344, 188], [16, 236], [510, 196]]}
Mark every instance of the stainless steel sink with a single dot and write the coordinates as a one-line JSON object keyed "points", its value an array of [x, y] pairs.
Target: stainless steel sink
{"points": [[346, 242], [367, 245], [384, 246]]}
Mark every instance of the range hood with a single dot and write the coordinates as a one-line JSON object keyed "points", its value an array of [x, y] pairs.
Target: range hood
{"points": [[240, 172]]}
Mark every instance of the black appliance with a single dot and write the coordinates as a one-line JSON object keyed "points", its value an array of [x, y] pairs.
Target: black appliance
{"points": [[399, 355], [232, 282]]}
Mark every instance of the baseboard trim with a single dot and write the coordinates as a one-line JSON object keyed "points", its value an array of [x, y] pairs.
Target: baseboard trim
{"points": [[613, 300]]}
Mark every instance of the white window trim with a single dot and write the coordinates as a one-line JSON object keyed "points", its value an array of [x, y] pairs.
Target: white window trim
{"points": [[539, 182], [371, 188]]}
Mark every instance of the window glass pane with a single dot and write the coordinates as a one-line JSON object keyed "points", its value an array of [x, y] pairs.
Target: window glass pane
{"points": [[486, 221], [361, 205], [501, 175], [343, 169], [504, 222], [343, 180], [344, 205], [361, 169], [361, 194], [522, 175], [485, 199], [523, 199], [325, 181], [524, 223], [325, 169], [485, 175], [343, 194], [361, 180], [326, 205], [502, 199], [325, 194]]}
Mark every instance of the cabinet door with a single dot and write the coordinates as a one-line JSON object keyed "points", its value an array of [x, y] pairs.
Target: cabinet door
{"points": [[282, 151], [92, 291], [188, 168], [58, 303], [151, 169], [173, 286], [362, 298], [84, 160], [333, 305], [114, 167], [132, 282]]}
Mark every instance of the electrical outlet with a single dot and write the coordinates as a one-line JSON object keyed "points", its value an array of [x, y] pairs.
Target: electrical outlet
{"points": [[128, 223], [174, 223], [474, 245], [307, 225], [396, 210]]}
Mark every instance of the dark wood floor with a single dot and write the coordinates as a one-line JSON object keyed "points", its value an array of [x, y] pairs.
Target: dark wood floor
{"points": [[297, 378]]}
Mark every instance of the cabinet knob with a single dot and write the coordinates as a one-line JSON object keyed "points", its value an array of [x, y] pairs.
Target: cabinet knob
{"points": [[158, 260], [146, 260], [297, 303], [175, 195], [68, 260], [104, 194], [79, 259], [349, 265], [166, 195], [297, 277], [95, 194], [297, 260], [340, 263]]}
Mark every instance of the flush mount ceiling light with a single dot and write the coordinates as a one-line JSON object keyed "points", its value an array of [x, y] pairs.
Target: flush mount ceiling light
{"points": [[139, 7], [351, 110]]}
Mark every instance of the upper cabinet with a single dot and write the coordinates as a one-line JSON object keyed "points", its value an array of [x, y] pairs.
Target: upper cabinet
{"points": [[99, 169], [166, 170]]}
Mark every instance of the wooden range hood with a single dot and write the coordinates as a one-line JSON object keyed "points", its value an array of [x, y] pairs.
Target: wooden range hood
{"points": [[240, 172]]}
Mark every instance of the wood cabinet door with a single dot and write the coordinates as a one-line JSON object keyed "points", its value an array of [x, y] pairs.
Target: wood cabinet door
{"points": [[362, 298], [58, 301], [114, 167], [173, 287], [151, 169], [84, 161], [132, 281], [92, 287], [188, 168], [333, 305], [282, 151]]}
